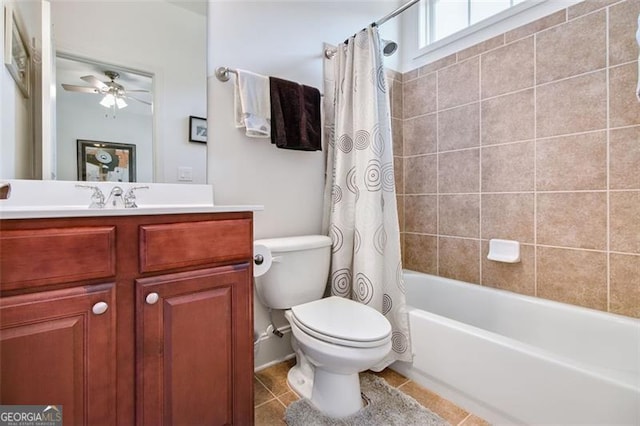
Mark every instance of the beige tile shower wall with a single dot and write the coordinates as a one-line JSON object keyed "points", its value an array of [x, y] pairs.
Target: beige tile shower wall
{"points": [[534, 136], [394, 82]]}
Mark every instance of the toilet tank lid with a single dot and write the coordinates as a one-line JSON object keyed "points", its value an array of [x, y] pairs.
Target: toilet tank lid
{"points": [[304, 242]]}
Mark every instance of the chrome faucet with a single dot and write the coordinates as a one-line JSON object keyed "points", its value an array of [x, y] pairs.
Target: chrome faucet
{"points": [[97, 197], [115, 199], [130, 197]]}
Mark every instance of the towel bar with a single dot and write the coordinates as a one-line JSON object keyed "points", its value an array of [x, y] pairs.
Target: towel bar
{"points": [[222, 73]]}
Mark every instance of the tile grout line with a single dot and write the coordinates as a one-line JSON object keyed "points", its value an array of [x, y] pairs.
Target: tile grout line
{"points": [[608, 196], [519, 90], [401, 218], [438, 172], [563, 79], [264, 403], [540, 30], [268, 390], [464, 420], [281, 403], [575, 191], [520, 141], [480, 100], [403, 383], [535, 164], [531, 244]]}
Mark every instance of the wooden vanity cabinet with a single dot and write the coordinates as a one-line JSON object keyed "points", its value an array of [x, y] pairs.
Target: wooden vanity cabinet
{"points": [[174, 345], [54, 350], [57, 319], [185, 342]]}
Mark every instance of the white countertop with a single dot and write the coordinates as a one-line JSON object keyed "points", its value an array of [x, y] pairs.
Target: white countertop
{"points": [[58, 199], [38, 212]]}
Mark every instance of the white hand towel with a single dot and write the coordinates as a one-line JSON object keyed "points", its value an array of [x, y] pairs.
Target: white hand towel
{"points": [[638, 40], [253, 104]]}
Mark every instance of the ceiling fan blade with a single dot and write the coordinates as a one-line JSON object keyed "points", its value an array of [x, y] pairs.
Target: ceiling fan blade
{"points": [[95, 82], [139, 100], [82, 89], [137, 90]]}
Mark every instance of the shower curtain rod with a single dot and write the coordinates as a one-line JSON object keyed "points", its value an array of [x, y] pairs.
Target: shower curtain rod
{"points": [[329, 53], [395, 13]]}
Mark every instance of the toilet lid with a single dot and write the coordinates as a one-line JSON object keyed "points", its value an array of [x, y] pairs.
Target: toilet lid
{"points": [[342, 321]]}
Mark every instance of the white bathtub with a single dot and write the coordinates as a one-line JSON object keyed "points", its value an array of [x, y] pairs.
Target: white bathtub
{"points": [[515, 359]]}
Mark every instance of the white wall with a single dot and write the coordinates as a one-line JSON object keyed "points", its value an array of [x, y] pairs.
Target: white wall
{"points": [[153, 36], [282, 39], [16, 137]]}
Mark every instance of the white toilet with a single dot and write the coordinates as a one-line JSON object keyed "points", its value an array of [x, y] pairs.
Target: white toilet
{"points": [[334, 338]]}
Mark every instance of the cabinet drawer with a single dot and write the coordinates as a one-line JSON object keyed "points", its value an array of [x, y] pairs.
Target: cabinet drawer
{"points": [[32, 258], [180, 245]]}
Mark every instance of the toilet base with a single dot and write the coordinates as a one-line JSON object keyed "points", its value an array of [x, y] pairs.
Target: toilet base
{"points": [[300, 382], [317, 385], [335, 393], [300, 376], [336, 404]]}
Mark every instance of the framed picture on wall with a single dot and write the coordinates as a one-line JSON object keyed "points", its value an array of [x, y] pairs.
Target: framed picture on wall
{"points": [[106, 161], [17, 57], [197, 129]]}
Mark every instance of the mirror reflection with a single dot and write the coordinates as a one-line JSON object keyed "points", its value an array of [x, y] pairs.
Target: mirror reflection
{"points": [[104, 121], [158, 47]]}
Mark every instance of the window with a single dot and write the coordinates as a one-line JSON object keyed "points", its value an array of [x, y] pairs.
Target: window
{"points": [[441, 18]]}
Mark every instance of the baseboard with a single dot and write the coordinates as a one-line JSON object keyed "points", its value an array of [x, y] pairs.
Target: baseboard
{"points": [[273, 349], [277, 361]]}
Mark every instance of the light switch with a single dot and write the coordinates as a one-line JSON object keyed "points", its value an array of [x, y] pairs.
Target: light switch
{"points": [[185, 174]]}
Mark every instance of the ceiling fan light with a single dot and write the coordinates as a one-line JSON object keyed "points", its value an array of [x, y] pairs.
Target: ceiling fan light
{"points": [[121, 103], [108, 101]]}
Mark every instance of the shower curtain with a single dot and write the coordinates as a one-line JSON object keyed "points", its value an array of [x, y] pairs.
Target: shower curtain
{"points": [[361, 215]]}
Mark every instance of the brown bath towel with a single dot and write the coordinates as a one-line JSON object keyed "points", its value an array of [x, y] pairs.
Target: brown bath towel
{"points": [[295, 115]]}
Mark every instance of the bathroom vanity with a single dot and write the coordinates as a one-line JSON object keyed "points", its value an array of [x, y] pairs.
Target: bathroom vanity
{"points": [[129, 318]]}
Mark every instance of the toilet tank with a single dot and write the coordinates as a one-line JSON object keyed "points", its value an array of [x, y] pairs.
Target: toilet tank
{"points": [[298, 272]]}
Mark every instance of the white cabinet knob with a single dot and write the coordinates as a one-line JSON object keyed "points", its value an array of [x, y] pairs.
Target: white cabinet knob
{"points": [[152, 298], [100, 308]]}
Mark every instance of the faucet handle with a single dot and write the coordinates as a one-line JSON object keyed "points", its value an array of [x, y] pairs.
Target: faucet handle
{"points": [[116, 190], [130, 197], [97, 198]]}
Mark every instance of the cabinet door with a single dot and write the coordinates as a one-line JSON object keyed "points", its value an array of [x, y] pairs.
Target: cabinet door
{"points": [[194, 356], [54, 350]]}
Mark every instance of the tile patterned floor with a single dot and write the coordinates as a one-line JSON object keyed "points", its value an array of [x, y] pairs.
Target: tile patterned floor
{"points": [[272, 395]]}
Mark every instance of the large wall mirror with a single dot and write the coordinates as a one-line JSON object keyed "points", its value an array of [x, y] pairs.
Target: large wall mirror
{"points": [[155, 52]]}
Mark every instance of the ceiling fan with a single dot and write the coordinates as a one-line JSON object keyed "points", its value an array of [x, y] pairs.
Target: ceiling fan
{"points": [[114, 93]]}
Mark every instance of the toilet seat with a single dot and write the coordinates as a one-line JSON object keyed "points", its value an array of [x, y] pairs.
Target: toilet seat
{"points": [[342, 322]]}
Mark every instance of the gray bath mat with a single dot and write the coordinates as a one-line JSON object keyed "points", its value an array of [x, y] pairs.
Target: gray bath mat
{"points": [[387, 406]]}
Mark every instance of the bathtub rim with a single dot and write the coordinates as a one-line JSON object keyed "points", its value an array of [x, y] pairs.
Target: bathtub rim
{"points": [[539, 301], [630, 381], [532, 350]]}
